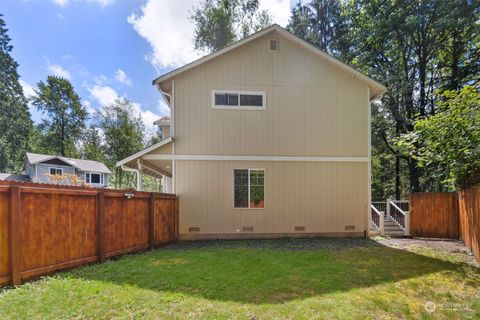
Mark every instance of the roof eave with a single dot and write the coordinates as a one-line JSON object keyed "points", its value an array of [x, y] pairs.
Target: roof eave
{"points": [[372, 83]]}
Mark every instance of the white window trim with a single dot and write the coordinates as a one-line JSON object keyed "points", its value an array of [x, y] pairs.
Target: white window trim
{"points": [[239, 107], [56, 168], [90, 173], [264, 188]]}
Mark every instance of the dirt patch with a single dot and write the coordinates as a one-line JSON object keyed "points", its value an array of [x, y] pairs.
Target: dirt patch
{"points": [[454, 247], [278, 244]]}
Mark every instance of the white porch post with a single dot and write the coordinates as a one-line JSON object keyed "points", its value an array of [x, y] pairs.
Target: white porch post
{"points": [[382, 225], [139, 175], [388, 209], [407, 223]]}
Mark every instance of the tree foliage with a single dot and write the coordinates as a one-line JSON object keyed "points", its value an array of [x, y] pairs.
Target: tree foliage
{"points": [[221, 22], [92, 146], [15, 123], [123, 132], [319, 22], [449, 140], [417, 49], [65, 116]]}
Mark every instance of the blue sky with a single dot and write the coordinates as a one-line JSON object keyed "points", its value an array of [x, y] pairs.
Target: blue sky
{"points": [[107, 48]]}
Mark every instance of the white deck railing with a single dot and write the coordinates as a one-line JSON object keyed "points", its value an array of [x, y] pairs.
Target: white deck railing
{"points": [[377, 218], [397, 211]]}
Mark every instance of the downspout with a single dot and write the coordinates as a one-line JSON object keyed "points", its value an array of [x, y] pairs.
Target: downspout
{"points": [[124, 168]]}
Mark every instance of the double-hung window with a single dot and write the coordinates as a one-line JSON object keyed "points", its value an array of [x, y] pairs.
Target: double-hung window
{"points": [[246, 100], [56, 171], [249, 188], [95, 178]]}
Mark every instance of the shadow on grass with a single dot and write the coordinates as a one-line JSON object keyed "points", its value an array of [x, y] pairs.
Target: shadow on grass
{"points": [[265, 271]]}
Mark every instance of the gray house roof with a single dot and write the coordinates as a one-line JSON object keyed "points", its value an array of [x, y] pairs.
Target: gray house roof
{"points": [[82, 165], [14, 177]]}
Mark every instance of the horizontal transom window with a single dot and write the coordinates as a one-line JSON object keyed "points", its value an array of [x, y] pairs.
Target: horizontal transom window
{"points": [[247, 100]]}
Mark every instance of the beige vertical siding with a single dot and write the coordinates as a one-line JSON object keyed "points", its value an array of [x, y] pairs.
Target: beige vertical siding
{"points": [[324, 197], [313, 108]]}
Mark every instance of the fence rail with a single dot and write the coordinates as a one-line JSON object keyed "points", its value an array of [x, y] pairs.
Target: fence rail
{"points": [[44, 228]]}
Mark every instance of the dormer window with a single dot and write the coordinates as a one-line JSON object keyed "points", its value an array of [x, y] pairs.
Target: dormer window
{"points": [[244, 100]]}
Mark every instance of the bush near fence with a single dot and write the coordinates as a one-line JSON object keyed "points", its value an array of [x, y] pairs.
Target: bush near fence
{"points": [[45, 228], [447, 215]]}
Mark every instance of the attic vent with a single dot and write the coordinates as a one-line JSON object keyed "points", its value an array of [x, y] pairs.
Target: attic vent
{"points": [[299, 228], [349, 227], [273, 45], [247, 229], [193, 229]]}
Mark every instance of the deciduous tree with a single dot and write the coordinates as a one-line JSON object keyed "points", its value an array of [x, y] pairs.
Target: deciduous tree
{"points": [[65, 116]]}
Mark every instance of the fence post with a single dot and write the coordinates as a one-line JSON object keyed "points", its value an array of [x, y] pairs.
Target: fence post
{"points": [[14, 238], [101, 226], [151, 221]]}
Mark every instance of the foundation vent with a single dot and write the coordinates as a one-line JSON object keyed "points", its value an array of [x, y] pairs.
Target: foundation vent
{"points": [[247, 229], [193, 229], [273, 44], [299, 228], [349, 227]]}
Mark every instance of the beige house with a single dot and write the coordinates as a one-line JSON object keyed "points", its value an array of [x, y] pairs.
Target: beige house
{"points": [[268, 137]]}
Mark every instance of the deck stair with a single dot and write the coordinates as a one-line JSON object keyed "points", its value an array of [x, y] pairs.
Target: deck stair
{"points": [[390, 218]]}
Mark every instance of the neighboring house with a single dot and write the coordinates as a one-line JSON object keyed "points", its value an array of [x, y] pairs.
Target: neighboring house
{"points": [[269, 137], [14, 177], [43, 168]]}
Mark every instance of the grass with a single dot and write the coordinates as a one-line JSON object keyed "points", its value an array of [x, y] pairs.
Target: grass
{"points": [[283, 279]]}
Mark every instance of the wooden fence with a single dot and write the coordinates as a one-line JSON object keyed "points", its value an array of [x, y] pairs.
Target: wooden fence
{"points": [[447, 215], [434, 215], [45, 228], [469, 208]]}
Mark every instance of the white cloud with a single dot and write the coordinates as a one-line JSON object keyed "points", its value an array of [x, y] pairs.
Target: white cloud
{"points": [[122, 77], [28, 90], [59, 71], [88, 105], [278, 9], [163, 108], [61, 3], [102, 3], [167, 28], [105, 95]]}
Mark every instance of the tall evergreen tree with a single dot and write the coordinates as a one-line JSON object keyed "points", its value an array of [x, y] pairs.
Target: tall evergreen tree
{"points": [[15, 123], [415, 48], [66, 116], [318, 22]]}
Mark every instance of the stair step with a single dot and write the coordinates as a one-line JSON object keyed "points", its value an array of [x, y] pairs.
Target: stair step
{"points": [[395, 233], [392, 229]]}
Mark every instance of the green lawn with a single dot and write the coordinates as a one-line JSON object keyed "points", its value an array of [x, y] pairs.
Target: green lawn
{"points": [[298, 279]]}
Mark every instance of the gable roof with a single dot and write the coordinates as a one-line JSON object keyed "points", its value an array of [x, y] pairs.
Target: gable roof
{"points": [[14, 177], [376, 88], [143, 152], [82, 165]]}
